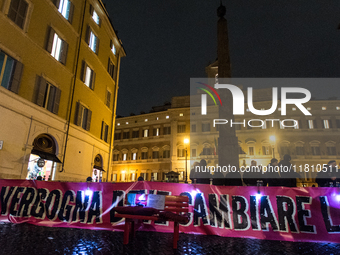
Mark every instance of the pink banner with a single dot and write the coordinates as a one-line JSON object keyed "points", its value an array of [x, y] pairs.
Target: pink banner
{"points": [[275, 213]]}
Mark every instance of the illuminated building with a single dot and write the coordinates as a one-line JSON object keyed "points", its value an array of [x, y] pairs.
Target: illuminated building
{"points": [[153, 143], [59, 72]]}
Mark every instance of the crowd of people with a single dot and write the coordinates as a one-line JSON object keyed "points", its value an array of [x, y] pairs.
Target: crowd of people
{"points": [[276, 173]]}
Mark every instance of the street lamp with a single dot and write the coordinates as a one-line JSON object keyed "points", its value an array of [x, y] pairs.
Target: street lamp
{"points": [[186, 141], [272, 140]]}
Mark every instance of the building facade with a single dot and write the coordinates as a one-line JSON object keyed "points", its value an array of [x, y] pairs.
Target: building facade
{"points": [[59, 73], [153, 144]]}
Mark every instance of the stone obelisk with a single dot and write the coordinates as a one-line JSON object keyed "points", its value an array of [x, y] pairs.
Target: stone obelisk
{"points": [[228, 152]]}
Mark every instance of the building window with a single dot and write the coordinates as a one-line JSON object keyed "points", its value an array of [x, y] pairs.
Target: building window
{"points": [[206, 127], [111, 69], [331, 150], [155, 154], [65, 7], [181, 128], [104, 132], [124, 156], [193, 152], [83, 117], [146, 133], [48, 96], [108, 99], [166, 154], [300, 150], [57, 47], [193, 128], [94, 15], [88, 76], [156, 132], [154, 175], [126, 135], [117, 136], [135, 133], [92, 40], [327, 124], [315, 150], [115, 157], [18, 12], [134, 156], [312, 124], [144, 155], [10, 72], [167, 130], [180, 152], [207, 151], [112, 47], [251, 150], [266, 150]]}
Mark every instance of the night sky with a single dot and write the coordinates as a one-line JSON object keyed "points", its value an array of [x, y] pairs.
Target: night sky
{"points": [[169, 42]]}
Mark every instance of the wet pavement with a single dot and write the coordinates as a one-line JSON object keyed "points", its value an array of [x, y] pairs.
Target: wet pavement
{"points": [[29, 239]]}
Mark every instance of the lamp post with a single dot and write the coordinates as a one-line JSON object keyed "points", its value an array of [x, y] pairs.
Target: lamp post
{"points": [[272, 140], [186, 141]]}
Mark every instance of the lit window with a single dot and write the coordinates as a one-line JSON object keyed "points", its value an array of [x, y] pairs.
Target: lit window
{"points": [[95, 17], [66, 9], [294, 109], [247, 110], [156, 132], [279, 109], [181, 114], [88, 75], [118, 124], [167, 117], [338, 107], [18, 11], [146, 120], [326, 124], [134, 156], [309, 108], [124, 157], [127, 123], [93, 42], [311, 124], [57, 47], [146, 133], [157, 118], [324, 108], [113, 49]]}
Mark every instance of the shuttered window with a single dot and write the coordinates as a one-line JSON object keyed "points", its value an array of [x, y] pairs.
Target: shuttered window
{"points": [[104, 132], [88, 76], [108, 99], [57, 46], [92, 40], [10, 72], [18, 12], [111, 69], [48, 95], [83, 116], [65, 7], [95, 15]]}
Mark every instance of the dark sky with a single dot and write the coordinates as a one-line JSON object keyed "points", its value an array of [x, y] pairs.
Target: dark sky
{"points": [[169, 42]]}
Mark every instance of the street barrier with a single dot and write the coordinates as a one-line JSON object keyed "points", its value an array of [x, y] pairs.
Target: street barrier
{"points": [[273, 213]]}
